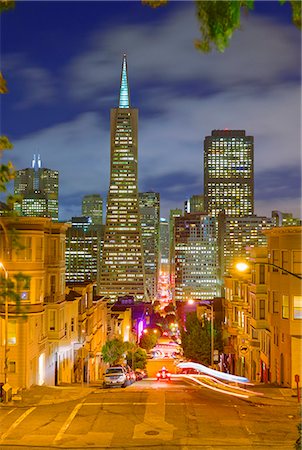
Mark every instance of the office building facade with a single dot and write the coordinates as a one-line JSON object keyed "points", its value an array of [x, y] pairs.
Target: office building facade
{"points": [[122, 269], [92, 206], [83, 252], [195, 257], [229, 173], [149, 207]]}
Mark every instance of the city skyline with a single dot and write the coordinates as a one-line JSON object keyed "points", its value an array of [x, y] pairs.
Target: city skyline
{"points": [[60, 96]]}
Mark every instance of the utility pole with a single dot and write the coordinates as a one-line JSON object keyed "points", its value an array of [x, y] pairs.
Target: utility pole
{"points": [[5, 325]]}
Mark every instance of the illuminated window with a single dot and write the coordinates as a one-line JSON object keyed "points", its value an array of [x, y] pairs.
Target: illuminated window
{"points": [[12, 332], [285, 307], [297, 307]]}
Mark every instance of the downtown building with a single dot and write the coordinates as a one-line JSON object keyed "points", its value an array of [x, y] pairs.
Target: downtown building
{"points": [[194, 204], [164, 243], [38, 188], [122, 268], [92, 206], [84, 242], [195, 257], [149, 207], [229, 173]]}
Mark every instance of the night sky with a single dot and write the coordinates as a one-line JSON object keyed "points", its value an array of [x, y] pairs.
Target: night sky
{"points": [[62, 62]]}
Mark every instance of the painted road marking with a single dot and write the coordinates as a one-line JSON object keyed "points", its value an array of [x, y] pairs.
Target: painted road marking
{"points": [[17, 422], [154, 420], [68, 422]]}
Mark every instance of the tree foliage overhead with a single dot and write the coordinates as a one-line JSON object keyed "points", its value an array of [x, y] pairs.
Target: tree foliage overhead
{"points": [[219, 19]]}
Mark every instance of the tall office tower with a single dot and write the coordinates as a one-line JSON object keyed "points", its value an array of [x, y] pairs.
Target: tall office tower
{"points": [[83, 251], [164, 245], [229, 173], [149, 217], [236, 236], [195, 257], [174, 213], [194, 204], [122, 270], [92, 206], [39, 190]]}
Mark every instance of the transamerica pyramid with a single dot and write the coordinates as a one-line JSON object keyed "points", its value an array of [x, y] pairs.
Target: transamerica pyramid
{"points": [[122, 268]]}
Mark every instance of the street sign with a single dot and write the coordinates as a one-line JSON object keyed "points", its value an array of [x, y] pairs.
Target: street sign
{"points": [[243, 349]]}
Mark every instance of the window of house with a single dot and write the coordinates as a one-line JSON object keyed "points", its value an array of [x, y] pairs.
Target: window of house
{"points": [[24, 253], [285, 307], [262, 309], [52, 284], [285, 260], [297, 262], [275, 302], [261, 274], [297, 307], [72, 324], [39, 249], [52, 320], [12, 366], [275, 257], [12, 332]]}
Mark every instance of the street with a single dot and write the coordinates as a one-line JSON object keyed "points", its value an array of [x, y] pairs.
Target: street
{"points": [[153, 415]]}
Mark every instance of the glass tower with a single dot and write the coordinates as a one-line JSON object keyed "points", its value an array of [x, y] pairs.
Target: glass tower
{"points": [[122, 269], [229, 173]]}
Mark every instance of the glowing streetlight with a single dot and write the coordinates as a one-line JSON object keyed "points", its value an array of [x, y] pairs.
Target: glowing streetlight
{"points": [[5, 325], [242, 267], [190, 301]]}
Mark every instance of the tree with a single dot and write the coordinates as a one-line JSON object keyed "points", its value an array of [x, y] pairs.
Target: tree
{"points": [[148, 340], [196, 340], [137, 358], [219, 19], [113, 351]]}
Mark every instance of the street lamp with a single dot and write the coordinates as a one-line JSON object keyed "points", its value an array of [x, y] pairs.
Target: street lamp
{"points": [[242, 267], [210, 304], [5, 325]]}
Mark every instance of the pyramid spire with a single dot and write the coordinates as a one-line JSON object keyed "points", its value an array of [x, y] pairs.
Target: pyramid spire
{"points": [[124, 100]]}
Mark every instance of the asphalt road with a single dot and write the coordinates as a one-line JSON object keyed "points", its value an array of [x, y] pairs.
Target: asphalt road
{"points": [[150, 415]]}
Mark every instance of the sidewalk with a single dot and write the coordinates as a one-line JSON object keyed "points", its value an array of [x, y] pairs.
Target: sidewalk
{"points": [[49, 395], [274, 395]]}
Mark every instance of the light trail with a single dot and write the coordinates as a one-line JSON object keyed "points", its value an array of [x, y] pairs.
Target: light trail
{"points": [[215, 373]]}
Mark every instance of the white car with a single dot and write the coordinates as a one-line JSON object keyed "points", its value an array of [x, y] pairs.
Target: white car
{"points": [[115, 376]]}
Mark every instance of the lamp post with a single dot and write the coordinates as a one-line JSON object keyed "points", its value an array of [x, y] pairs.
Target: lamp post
{"points": [[210, 304], [242, 267], [5, 325]]}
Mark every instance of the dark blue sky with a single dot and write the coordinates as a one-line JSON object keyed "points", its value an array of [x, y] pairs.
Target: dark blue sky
{"points": [[62, 61]]}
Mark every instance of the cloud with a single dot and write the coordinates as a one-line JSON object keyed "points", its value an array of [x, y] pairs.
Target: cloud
{"points": [[262, 52], [34, 85]]}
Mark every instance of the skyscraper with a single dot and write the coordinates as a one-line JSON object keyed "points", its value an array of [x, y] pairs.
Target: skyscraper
{"points": [[229, 173], [164, 243], [92, 206], [149, 216], [39, 189], [122, 269]]}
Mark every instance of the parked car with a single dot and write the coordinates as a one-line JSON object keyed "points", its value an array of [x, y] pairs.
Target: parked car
{"points": [[163, 374], [116, 376]]}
